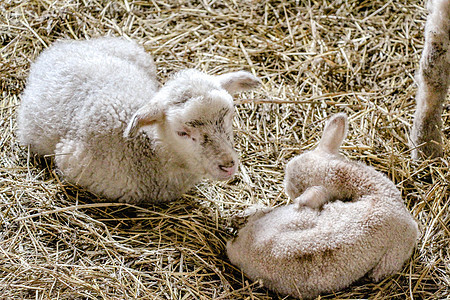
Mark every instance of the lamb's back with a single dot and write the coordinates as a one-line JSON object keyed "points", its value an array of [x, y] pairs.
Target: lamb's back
{"points": [[308, 251], [80, 88]]}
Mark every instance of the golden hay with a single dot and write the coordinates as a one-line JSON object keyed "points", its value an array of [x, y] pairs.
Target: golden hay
{"points": [[315, 58]]}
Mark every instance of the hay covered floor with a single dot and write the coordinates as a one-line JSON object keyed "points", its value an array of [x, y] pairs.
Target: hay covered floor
{"points": [[314, 57]]}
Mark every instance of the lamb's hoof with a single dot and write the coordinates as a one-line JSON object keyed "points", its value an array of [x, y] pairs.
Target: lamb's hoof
{"points": [[238, 220]]}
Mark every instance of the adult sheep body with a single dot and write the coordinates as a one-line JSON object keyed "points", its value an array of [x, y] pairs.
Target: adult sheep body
{"points": [[97, 107]]}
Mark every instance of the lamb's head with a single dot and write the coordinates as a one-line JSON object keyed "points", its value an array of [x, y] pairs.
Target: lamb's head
{"points": [[192, 114], [309, 169]]}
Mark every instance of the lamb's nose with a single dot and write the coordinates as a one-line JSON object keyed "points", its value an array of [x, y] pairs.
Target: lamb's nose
{"points": [[227, 167]]}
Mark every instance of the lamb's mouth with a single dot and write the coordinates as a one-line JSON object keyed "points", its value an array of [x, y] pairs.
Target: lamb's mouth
{"points": [[219, 175]]}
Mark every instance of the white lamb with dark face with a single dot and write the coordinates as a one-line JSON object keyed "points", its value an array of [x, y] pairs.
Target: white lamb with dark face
{"points": [[321, 243], [97, 107]]}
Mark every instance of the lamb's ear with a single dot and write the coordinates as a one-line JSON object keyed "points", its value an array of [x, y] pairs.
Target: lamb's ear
{"points": [[334, 133], [238, 81], [147, 115]]}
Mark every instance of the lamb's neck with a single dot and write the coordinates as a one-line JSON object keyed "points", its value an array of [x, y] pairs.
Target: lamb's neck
{"points": [[157, 165], [356, 180]]}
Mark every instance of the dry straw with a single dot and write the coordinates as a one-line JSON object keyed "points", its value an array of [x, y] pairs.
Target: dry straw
{"points": [[315, 58]]}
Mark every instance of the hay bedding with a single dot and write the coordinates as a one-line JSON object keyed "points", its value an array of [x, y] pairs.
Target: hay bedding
{"points": [[314, 57]]}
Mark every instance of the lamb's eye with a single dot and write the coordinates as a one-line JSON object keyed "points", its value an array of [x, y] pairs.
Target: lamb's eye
{"points": [[182, 133]]}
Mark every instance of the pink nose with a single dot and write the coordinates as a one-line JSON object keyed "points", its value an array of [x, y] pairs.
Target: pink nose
{"points": [[228, 168]]}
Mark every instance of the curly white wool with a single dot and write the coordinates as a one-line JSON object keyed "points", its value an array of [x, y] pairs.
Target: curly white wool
{"points": [[97, 107]]}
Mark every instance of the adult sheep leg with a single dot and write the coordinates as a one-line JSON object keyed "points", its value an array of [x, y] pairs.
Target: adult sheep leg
{"points": [[433, 82]]}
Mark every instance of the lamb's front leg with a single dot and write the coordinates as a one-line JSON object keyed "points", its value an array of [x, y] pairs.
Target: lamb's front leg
{"points": [[238, 220], [433, 82], [314, 197], [426, 136]]}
